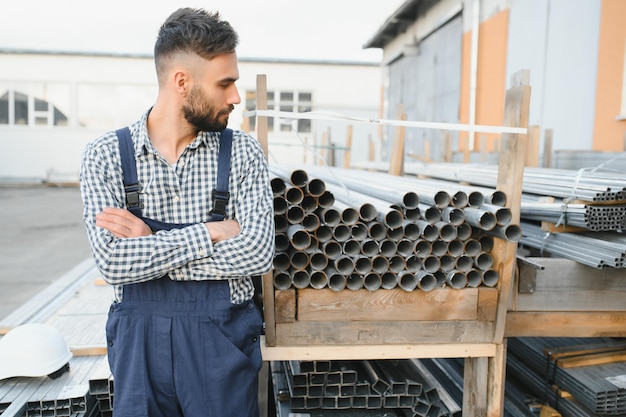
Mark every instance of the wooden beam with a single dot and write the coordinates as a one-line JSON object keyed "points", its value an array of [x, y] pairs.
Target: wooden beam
{"points": [[380, 351], [547, 148], [396, 160], [348, 152], [566, 324], [532, 149], [475, 387], [496, 377]]}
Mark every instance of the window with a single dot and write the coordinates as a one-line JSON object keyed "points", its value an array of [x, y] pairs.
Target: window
{"points": [[288, 101], [36, 104]]}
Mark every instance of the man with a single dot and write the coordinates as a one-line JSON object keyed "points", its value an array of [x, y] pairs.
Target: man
{"points": [[183, 332]]}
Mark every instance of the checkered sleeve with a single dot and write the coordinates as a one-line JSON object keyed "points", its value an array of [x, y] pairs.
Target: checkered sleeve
{"points": [[129, 260], [251, 252]]}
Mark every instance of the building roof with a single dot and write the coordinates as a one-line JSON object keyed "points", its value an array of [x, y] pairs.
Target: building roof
{"points": [[398, 22]]}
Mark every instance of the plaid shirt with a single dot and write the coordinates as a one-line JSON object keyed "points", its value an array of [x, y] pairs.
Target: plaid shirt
{"points": [[181, 194]]}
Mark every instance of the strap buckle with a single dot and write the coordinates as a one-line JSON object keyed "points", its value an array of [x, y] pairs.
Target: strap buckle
{"points": [[220, 200], [132, 196]]}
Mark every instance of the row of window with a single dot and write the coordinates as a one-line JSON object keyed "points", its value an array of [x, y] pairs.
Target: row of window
{"points": [[48, 104]]}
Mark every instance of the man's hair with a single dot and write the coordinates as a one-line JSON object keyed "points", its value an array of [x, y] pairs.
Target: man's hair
{"points": [[195, 31]]}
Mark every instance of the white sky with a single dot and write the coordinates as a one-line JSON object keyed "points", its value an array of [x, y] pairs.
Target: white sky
{"points": [[315, 29]]}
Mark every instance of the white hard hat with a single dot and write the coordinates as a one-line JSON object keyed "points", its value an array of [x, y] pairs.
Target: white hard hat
{"points": [[33, 350]]}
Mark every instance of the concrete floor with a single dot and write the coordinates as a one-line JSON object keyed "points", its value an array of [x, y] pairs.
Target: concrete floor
{"points": [[42, 237]]}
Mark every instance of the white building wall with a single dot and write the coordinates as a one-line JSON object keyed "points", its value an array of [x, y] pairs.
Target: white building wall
{"points": [[106, 92]]}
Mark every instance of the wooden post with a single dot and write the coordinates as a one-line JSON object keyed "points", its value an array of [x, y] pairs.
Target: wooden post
{"points": [[547, 148], [532, 150], [396, 160], [510, 176], [474, 387], [348, 151], [268, 279], [447, 146], [372, 148], [483, 148]]}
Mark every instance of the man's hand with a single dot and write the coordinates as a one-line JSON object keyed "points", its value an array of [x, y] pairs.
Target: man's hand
{"points": [[223, 230], [122, 223]]}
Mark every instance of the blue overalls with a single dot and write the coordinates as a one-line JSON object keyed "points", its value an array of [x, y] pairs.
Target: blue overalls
{"points": [[181, 348]]}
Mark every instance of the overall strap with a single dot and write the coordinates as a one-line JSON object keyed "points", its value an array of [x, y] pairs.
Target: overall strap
{"points": [[220, 195], [220, 192], [129, 171]]}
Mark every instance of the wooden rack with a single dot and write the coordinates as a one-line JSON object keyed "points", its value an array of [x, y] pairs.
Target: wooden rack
{"points": [[429, 332]]}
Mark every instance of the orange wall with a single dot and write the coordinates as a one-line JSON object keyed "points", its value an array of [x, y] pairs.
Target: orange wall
{"points": [[609, 133], [491, 76]]}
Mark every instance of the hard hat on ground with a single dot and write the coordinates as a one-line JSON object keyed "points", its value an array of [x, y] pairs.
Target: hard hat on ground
{"points": [[33, 350]]}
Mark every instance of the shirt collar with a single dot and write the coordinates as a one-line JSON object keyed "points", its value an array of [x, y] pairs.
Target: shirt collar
{"points": [[209, 139]]}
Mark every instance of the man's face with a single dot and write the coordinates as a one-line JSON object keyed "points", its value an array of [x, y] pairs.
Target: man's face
{"points": [[211, 100]]}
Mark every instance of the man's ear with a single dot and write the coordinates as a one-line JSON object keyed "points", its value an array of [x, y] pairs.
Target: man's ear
{"points": [[181, 82]]}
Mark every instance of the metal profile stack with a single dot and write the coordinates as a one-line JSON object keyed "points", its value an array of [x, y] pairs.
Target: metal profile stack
{"points": [[402, 386], [340, 231], [599, 386]]}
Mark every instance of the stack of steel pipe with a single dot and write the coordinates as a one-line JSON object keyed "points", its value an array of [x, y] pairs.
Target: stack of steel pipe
{"points": [[601, 217], [596, 387], [595, 249], [586, 185], [350, 230], [366, 385]]}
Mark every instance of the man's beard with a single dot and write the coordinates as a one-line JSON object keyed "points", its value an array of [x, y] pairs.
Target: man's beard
{"points": [[203, 116]]}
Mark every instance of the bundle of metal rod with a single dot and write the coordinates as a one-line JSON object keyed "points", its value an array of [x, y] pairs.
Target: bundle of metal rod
{"points": [[62, 396], [537, 388], [596, 249], [603, 217], [363, 241], [370, 385], [586, 185], [597, 387]]}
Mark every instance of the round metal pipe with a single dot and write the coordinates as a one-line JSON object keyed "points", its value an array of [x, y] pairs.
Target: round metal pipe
{"points": [[390, 281], [281, 242], [412, 214], [323, 233], [426, 281], [316, 187], [480, 218], [396, 263], [311, 222], [372, 281], [282, 280], [503, 214], [341, 232], [362, 265], [280, 205], [369, 247], [447, 232], [354, 282], [376, 230], [395, 234], [405, 247], [413, 263], [359, 231], [344, 265], [319, 279], [431, 264], [300, 238], [330, 216], [380, 264], [456, 279], [327, 199], [454, 216], [472, 247], [278, 186], [337, 282], [294, 195], [439, 248], [281, 261], [388, 247], [309, 204], [463, 231], [428, 231], [299, 260], [319, 261], [332, 249], [511, 232], [423, 248], [455, 247], [474, 278], [295, 214], [464, 263], [411, 230], [483, 261], [407, 281], [430, 214], [301, 279], [447, 263], [351, 247], [490, 277]]}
